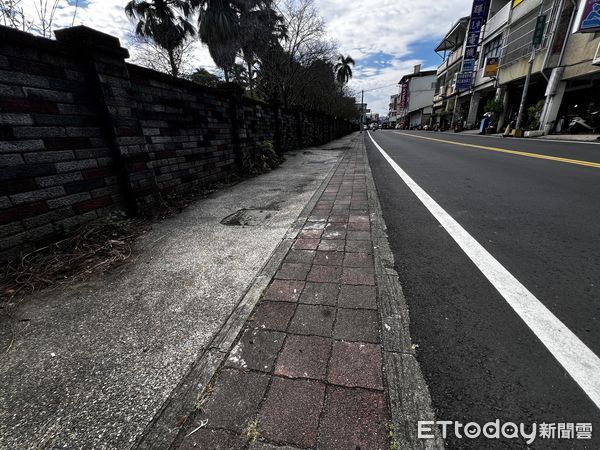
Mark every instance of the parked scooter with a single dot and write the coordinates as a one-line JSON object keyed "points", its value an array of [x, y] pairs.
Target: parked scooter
{"points": [[580, 125]]}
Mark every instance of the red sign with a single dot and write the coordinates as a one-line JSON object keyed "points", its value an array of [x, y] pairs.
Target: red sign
{"points": [[404, 94]]}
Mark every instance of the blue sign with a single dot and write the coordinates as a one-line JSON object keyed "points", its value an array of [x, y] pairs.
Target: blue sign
{"points": [[468, 65], [479, 9], [478, 12], [463, 81], [471, 52], [590, 20], [473, 38]]}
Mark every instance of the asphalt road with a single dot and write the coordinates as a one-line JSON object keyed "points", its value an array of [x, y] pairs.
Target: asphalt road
{"points": [[540, 218]]}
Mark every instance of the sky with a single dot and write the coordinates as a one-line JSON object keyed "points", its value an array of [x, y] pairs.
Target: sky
{"points": [[385, 38]]}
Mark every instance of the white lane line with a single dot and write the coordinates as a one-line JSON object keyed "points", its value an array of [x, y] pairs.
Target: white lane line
{"points": [[577, 359]]}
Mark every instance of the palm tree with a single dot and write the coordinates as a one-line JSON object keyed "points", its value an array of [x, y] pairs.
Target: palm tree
{"points": [[219, 29], [343, 70], [262, 29], [229, 27], [165, 22]]}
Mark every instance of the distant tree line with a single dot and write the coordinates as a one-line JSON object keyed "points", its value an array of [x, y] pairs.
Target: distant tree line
{"points": [[275, 51]]}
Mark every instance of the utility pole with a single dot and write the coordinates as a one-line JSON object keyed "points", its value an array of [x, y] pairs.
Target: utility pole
{"points": [[538, 36], [525, 89], [362, 106]]}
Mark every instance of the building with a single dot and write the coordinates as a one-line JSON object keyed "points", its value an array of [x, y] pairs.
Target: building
{"points": [[445, 97], [393, 111], [560, 40], [573, 70], [485, 82], [361, 111], [414, 104], [372, 117]]}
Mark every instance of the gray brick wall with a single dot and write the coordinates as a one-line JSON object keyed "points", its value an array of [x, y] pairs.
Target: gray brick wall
{"points": [[83, 133]]}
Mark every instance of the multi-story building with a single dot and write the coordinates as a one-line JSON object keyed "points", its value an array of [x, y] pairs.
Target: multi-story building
{"points": [[446, 95], [415, 100], [565, 75], [485, 82], [573, 68], [393, 111]]}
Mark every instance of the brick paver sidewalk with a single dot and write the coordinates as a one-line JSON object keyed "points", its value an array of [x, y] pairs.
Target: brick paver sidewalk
{"points": [[307, 371]]}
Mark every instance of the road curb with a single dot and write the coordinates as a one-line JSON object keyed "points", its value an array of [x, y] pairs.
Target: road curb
{"points": [[162, 431], [408, 395]]}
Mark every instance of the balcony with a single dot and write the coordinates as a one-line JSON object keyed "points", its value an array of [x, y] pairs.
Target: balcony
{"points": [[524, 9], [498, 20], [450, 61]]}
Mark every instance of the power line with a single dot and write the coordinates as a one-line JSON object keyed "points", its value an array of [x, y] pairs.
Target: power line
{"points": [[380, 87]]}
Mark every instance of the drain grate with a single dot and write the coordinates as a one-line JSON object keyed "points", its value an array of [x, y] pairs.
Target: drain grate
{"points": [[249, 217]]}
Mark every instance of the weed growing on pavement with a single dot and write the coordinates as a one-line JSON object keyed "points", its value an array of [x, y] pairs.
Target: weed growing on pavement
{"points": [[203, 398], [392, 436], [253, 430]]}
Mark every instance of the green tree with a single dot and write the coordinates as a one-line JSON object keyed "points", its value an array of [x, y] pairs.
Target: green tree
{"points": [[261, 29], [165, 22], [204, 77], [219, 28], [343, 69], [232, 28]]}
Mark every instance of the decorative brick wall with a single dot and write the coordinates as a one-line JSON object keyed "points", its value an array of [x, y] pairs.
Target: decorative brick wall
{"points": [[83, 133]]}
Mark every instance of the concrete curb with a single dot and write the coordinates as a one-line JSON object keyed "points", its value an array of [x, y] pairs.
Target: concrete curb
{"points": [[162, 432], [409, 399]]}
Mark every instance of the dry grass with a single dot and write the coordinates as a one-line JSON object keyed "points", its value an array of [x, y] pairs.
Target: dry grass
{"points": [[93, 248]]}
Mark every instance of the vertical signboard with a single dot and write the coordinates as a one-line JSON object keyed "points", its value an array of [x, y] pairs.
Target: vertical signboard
{"points": [[478, 16], [464, 81], [404, 98], [538, 33], [590, 19]]}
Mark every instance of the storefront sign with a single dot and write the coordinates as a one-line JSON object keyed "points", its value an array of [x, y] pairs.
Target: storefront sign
{"points": [[478, 15], [464, 81], [491, 67], [403, 104], [590, 19], [468, 65], [516, 3]]}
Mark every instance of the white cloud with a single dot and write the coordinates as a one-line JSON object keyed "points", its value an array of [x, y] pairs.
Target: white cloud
{"points": [[365, 30], [109, 17]]}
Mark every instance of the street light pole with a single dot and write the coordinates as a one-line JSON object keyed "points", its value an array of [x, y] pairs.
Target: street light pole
{"points": [[362, 105]]}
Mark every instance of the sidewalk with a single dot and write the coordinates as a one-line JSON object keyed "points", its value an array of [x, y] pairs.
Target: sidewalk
{"points": [[171, 349], [92, 364], [314, 368], [589, 138]]}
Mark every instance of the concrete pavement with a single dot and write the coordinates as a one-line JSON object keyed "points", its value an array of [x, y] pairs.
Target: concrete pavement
{"points": [[100, 358], [171, 350]]}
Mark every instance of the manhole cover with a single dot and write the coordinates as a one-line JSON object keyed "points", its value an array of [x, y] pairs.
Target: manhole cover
{"points": [[249, 217]]}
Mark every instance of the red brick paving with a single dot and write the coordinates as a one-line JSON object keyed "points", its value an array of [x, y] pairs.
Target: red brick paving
{"points": [[308, 368]]}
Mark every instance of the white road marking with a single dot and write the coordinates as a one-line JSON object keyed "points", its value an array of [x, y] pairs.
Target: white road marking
{"points": [[577, 359]]}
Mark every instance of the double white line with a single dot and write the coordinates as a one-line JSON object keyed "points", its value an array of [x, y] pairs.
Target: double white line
{"points": [[577, 359]]}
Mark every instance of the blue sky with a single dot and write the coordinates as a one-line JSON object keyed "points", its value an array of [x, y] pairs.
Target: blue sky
{"points": [[385, 38]]}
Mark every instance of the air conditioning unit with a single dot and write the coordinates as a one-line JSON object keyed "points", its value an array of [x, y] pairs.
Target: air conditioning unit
{"points": [[596, 60]]}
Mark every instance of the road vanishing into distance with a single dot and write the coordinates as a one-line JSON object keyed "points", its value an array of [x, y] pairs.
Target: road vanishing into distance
{"points": [[497, 244]]}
